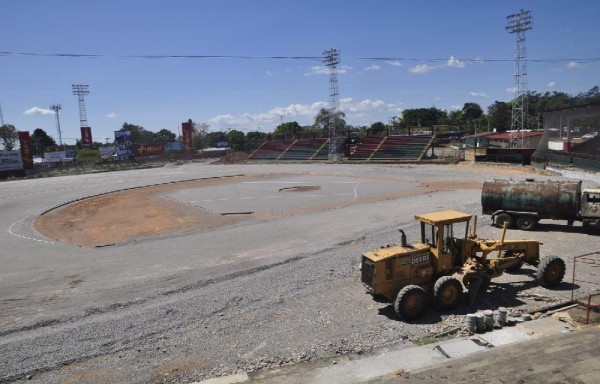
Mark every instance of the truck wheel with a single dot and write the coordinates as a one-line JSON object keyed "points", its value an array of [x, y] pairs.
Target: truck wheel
{"points": [[551, 271], [447, 293], [411, 302], [526, 223], [504, 218]]}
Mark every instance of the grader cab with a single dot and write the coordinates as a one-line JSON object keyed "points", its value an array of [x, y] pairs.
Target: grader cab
{"points": [[448, 257]]}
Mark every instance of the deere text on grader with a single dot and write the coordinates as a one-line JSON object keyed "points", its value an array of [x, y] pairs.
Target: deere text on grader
{"points": [[449, 256]]}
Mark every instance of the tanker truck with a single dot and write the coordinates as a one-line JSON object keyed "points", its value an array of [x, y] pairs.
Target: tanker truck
{"points": [[522, 203]]}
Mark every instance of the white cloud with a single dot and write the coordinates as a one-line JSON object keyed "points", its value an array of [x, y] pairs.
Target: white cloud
{"points": [[455, 63], [395, 63], [478, 94], [456, 107], [318, 70], [479, 60], [421, 68], [269, 73], [303, 113], [551, 84], [39, 111], [512, 90], [574, 65], [111, 115], [373, 67]]}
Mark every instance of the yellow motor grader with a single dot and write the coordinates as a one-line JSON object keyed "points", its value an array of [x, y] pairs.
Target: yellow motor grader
{"points": [[448, 256]]}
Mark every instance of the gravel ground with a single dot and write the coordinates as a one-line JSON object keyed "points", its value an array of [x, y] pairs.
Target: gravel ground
{"points": [[305, 307]]}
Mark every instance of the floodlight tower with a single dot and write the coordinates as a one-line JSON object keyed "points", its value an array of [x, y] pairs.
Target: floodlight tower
{"points": [[332, 59], [80, 90], [518, 23], [56, 108]]}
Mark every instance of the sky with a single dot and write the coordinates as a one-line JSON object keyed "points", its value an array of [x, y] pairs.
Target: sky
{"points": [[145, 61]]}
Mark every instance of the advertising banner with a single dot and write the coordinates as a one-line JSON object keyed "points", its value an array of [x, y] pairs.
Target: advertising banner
{"points": [[188, 141], [26, 149], [56, 157], [124, 145], [174, 146], [10, 161], [143, 150], [88, 155], [107, 152], [86, 137]]}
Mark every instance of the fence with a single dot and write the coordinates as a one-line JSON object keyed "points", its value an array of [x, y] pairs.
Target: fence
{"points": [[592, 260]]}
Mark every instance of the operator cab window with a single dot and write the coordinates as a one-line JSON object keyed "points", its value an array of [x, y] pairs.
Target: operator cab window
{"points": [[430, 235]]}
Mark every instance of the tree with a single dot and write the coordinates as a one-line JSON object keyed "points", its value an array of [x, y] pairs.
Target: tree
{"points": [[289, 128], [254, 139], [472, 111], [500, 116], [138, 133], [323, 118], [456, 118], [378, 128], [212, 138], [236, 139], [40, 140], [9, 136], [200, 131], [426, 117], [164, 136]]}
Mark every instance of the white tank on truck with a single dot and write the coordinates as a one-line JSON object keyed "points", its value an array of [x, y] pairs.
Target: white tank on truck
{"points": [[522, 203]]}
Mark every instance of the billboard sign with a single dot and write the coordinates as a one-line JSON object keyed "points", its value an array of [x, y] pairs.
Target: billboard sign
{"points": [[188, 141], [123, 144], [10, 161], [144, 150], [86, 137], [107, 152], [26, 149], [174, 146], [57, 157]]}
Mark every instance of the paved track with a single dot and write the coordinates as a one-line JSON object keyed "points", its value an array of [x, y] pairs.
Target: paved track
{"points": [[185, 306]]}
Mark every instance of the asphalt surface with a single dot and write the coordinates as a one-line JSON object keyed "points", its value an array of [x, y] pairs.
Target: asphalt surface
{"points": [[270, 291]]}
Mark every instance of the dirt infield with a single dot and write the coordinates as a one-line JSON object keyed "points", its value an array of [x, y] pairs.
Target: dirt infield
{"points": [[131, 214], [144, 212]]}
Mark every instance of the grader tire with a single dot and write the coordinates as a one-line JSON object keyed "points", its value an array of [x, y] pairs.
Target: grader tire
{"points": [[551, 271], [447, 293], [410, 303]]}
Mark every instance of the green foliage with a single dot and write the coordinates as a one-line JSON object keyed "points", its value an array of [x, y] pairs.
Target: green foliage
{"points": [[236, 139], [40, 140], [212, 138], [9, 136], [322, 120], [164, 136], [139, 135], [289, 128], [378, 128], [426, 117], [254, 139], [500, 116]]}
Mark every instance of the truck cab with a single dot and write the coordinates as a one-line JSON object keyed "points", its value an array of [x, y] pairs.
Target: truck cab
{"points": [[589, 210]]}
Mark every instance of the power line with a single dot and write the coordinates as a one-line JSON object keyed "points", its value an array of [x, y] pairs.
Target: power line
{"points": [[251, 57]]}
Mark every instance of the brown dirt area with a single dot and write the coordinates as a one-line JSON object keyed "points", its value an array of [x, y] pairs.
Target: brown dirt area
{"points": [[144, 212], [135, 213]]}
